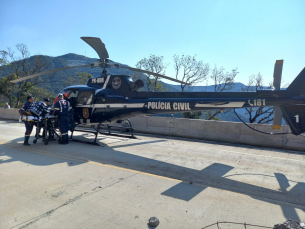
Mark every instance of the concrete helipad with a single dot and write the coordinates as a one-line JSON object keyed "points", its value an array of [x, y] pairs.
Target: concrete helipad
{"points": [[123, 182]]}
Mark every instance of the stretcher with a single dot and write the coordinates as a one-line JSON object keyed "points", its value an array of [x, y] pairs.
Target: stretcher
{"points": [[49, 123]]}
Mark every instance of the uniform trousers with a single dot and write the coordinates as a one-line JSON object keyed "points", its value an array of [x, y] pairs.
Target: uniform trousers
{"points": [[28, 128], [64, 127]]}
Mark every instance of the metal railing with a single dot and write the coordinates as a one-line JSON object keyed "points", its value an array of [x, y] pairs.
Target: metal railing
{"points": [[244, 225]]}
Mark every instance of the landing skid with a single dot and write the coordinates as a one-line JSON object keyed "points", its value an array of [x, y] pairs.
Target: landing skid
{"points": [[101, 126]]}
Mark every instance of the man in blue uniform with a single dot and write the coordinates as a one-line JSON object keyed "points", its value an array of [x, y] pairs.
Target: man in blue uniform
{"points": [[28, 125], [62, 109], [47, 111]]}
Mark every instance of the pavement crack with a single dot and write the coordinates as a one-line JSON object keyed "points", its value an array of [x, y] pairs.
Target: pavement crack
{"points": [[37, 218]]}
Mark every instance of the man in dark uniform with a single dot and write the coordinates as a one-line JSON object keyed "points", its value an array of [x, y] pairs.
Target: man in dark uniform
{"points": [[28, 125], [62, 109], [46, 102]]}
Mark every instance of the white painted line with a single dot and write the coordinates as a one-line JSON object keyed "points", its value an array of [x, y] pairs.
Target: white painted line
{"points": [[119, 105], [230, 104], [105, 84]]}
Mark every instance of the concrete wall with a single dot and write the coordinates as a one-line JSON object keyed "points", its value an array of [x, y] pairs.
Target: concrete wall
{"points": [[9, 113], [233, 132]]}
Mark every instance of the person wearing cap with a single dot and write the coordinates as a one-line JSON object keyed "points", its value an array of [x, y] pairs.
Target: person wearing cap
{"points": [[28, 125], [62, 109], [46, 101]]}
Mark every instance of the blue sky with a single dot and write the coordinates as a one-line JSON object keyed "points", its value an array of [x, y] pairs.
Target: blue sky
{"points": [[249, 35]]}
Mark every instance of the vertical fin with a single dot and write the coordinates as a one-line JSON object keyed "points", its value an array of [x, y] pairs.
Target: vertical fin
{"points": [[295, 117], [297, 87]]}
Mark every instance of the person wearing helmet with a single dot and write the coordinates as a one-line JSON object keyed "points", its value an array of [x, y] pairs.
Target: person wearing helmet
{"points": [[66, 95]]}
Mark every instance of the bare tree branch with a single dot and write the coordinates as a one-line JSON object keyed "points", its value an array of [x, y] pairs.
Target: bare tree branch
{"points": [[258, 114], [21, 66], [154, 64], [190, 70]]}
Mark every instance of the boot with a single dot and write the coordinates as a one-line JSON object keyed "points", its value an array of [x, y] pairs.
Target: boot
{"points": [[61, 141], [26, 141]]}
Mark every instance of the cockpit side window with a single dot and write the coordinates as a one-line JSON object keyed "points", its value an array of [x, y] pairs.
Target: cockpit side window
{"points": [[85, 97], [72, 93]]}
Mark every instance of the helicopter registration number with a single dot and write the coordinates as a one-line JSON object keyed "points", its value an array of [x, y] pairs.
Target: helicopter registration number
{"points": [[257, 102], [168, 106]]}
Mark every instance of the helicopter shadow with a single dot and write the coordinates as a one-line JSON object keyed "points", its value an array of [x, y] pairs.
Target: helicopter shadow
{"points": [[14, 151], [211, 176]]}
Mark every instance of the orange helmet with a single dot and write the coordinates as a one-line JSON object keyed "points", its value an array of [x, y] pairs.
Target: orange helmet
{"points": [[66, 95]]}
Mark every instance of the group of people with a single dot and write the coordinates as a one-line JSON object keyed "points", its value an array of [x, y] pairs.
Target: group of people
{"points": [[61, 109]]}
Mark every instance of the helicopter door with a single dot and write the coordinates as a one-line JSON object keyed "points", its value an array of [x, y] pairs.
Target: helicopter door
{"points": [[73, 93], [84, 104]]}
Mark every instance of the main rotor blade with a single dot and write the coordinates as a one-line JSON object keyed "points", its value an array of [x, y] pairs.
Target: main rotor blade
{"points": [[156, 74], [46, 72], [98, 46]]}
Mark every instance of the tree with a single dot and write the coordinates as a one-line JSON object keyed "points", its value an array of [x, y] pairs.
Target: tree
{"points": [[153, 64], [192, 114], [223, 81], [41, 93], [258, 114], [18, 68], [3, 58], [190, 70], [81, 78], [3, 63]]}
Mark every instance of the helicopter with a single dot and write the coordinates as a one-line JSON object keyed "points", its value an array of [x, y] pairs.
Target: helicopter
{"points": [[112, 98]]}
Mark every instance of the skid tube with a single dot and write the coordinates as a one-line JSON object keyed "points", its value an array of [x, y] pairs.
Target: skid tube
{"points": [[97, 131]]}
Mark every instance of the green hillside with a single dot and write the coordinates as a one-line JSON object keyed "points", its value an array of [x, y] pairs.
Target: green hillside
{"points": [[56, 83]]}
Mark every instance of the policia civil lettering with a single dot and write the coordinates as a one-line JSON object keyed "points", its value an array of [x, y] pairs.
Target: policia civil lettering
{"points": [[168, 106]]}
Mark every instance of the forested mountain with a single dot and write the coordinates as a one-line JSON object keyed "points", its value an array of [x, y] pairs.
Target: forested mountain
{"points": [[56, 83]]}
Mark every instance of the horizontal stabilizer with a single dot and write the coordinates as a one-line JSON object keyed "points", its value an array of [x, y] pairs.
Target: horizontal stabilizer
{"points": [[295, 116]]}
